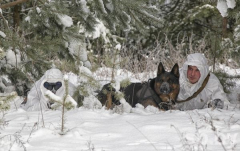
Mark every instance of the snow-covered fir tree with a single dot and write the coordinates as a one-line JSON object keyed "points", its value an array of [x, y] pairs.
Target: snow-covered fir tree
{"points": [[64, 103], [37, 35], [61, 32]]}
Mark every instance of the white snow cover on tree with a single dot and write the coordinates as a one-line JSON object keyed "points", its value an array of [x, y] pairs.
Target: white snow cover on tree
{"points": [[78, 49], [38, 10], [109, 6], [84, 70], [27, 19], [2, 34], [53, 96], [84, 6], [60, 100], [38, 92], [207, 6], [74, 47], [231, 3], [12, 58], [65, 20], [100, 30], [237, 33], [213, 89], [223, 5], [6, 84], [118, 47]]}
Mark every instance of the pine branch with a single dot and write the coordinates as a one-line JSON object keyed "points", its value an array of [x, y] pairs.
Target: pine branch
{"points": [[4, 20], [11, 4], [5, 99]]}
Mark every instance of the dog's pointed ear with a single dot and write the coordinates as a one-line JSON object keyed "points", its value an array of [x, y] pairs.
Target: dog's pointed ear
{"points": [[175, 70], [160, 69]]}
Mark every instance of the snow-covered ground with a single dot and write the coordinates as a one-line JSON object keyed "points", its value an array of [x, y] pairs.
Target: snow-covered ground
{"points": [[141, 130], [96, 129]]}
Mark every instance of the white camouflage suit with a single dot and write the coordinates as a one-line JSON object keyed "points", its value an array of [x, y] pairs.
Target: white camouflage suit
{"points": [[212, 91], [37, 93]]}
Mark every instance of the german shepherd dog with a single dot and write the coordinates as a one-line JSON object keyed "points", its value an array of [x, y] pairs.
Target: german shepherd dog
{"points": [[161, 91]]}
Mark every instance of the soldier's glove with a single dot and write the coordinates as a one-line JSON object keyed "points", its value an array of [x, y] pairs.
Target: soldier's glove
{"points": [[216, 103]]}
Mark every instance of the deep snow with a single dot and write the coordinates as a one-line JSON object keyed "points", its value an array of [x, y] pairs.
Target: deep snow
{"points": [[141, 130], [92, 128]]}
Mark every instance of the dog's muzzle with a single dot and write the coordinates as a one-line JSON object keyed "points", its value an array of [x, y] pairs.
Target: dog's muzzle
{"points": [[165, 88]]}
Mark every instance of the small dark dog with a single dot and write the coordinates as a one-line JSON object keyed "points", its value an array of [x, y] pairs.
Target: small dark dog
{"points": [[160, 92]]}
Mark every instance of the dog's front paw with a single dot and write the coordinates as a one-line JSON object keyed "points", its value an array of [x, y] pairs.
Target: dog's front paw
{"points": [[216, 103]]}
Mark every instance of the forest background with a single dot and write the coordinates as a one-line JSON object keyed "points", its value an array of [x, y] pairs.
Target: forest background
{"points": [[36, 35]]}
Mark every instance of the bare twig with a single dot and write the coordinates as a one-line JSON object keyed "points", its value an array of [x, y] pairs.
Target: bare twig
{"points": [[214, 129], [16, 139], [143, 135], [33, 128], [184, 140], [38, 99]]}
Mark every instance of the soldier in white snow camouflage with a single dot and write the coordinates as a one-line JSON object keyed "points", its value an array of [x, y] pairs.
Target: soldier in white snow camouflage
{"points": [[192, 76], [52, 80]]}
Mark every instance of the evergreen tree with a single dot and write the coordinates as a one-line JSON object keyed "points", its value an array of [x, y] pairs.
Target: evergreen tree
{"points": [[185, 19], [234, 25], [39, 41], [65, 103], [39, 35]]}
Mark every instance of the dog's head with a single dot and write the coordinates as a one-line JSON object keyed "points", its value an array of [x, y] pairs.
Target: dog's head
{"points": [[167, 84]]}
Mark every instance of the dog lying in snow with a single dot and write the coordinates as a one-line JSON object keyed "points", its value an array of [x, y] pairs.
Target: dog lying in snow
{"points": [[161, 91]]}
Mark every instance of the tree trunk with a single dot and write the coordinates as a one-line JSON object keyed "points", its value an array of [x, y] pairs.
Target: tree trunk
{"points": [[16, 16], [109, 100], [214, 61], [224, 27]]}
